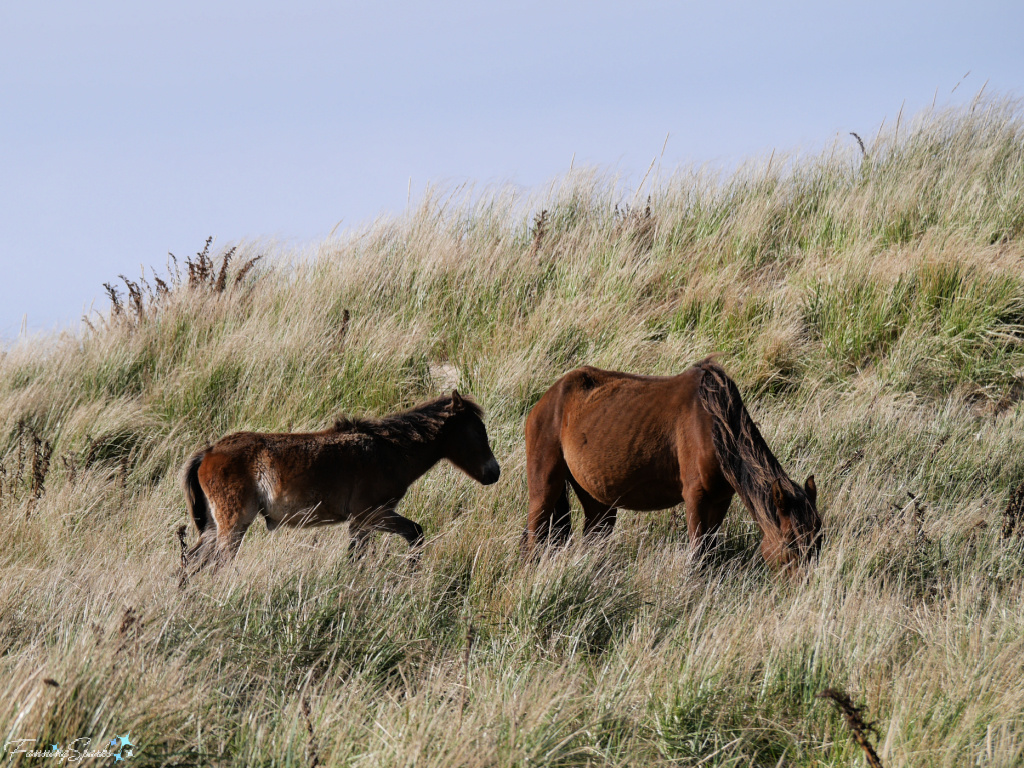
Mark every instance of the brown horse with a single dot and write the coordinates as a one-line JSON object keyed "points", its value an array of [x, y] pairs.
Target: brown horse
{"points": [[357, 471], [651, 442]]}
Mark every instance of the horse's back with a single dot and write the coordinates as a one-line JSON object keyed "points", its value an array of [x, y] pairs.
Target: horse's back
{"points": [[622, 435], [592, 396]]}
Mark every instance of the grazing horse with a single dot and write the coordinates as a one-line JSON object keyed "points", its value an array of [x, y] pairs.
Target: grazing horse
{"points": [[357, 471], [651, 442]]}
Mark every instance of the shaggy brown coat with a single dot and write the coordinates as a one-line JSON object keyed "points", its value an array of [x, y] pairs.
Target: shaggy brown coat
{"points": [[650, 442], [356, 471]]}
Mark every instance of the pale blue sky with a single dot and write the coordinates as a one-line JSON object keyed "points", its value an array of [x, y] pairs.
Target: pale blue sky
{"points": [[129, 130]]}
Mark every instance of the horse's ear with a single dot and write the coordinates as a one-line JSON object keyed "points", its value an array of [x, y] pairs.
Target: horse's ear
{"points": [[811, 490], [778, 497], [458, 404]]}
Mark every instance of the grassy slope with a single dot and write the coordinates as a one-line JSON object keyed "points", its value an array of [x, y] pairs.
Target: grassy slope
{"points": [[872, 310]]}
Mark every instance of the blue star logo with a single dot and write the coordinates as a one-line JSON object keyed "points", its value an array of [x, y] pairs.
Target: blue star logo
{"points": [[113, 742], [54, 747], [126, 740], [117, 758]]}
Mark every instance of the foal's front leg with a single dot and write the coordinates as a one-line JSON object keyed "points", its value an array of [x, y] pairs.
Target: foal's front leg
{"points": [[387, 520], [411, 531]]}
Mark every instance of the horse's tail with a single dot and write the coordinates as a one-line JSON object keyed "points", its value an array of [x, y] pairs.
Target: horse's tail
{"points": [[742, 454], [195, 499]]}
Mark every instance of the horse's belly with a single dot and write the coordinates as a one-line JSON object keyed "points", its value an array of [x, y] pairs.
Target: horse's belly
{"points": [[297, 509], [624, 481], [305, 518]]}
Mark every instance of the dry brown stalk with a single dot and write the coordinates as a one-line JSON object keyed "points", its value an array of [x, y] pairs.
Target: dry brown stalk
{"points": [[201, 269], [91, 450], [343, 331], [115, 299], [183, 575], [1013, 515], [128, 620], [135, 297], [860, 143], [222, 275], [130, 629], [20, 431], [172, 260], [246, 267], [313, 749], [539, 229], [42, 451], [855, 722], [70, 462], [918, 516]]}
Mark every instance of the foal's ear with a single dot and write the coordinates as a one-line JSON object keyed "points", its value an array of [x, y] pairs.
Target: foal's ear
{"points": [[811, 490], [778, 497], [458, 404]]}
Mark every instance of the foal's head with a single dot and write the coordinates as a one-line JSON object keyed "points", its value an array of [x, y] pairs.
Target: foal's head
{"points": [[465, 441], [799, 524]]}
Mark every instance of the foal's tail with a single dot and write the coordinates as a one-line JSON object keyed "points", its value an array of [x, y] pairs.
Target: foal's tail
{"points": [[742, 453], [195, 499]]}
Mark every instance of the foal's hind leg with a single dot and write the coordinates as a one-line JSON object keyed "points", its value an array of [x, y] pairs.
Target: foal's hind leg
{"points": [[232, 498], [233, 520], [200, 555]]}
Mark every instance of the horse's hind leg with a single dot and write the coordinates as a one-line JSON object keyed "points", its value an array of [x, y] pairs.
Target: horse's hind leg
{"points": [[598, 519]]}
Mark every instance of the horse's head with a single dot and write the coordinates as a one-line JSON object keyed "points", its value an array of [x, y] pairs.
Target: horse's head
{"points": [[799, 524], [466, 444]]}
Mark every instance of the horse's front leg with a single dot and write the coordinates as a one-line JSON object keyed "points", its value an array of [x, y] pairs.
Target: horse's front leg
{"points": [[704, 514], [598, 519], [357, 538]]}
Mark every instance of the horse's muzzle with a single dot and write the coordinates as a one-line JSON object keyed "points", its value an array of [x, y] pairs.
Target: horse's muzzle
{"points": [[491, 473]]}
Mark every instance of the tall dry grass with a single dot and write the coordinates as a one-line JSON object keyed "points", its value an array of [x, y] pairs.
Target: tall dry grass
{"points": [[871, 306]]}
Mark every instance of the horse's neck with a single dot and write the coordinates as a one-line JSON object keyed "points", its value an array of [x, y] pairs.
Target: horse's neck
{"points": [[410, 462], [758, 500]]}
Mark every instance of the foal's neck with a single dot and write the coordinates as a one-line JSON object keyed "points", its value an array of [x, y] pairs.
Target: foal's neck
{"points": [[411, 461]]}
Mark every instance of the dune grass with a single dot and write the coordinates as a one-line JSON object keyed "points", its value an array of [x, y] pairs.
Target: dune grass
{"points": [[870, 306]]}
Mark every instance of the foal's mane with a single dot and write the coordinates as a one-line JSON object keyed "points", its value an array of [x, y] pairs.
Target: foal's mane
{"points": [[747, 462], [421, 424]]}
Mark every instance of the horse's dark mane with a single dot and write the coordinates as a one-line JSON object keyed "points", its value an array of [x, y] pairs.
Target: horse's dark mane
{"points": [[747, 462], [420, 424]]}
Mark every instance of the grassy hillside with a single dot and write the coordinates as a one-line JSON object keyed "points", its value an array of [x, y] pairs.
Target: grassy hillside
{"points": [[871, 308]]}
